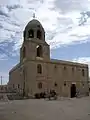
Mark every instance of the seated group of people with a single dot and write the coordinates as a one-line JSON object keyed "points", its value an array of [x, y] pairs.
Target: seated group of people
{"points": [[47, 94]]}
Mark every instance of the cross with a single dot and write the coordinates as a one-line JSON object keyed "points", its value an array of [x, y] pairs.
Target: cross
{"points": [[33, 15]]}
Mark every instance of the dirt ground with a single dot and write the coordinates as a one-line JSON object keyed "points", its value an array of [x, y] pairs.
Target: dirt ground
{"points": [[62, 109]]}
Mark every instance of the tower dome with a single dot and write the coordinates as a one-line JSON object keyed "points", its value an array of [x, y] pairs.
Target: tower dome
{"points": [[34, 29]]}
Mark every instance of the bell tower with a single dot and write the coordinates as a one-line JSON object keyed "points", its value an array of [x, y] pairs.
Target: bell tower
{"points": [[34, 46]]}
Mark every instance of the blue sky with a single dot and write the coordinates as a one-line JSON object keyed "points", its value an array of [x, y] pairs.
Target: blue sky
{"points": [[66, 22]]}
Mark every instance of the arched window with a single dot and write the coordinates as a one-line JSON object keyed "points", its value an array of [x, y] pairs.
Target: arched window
{"points": [[39, 34], [83, 72], [39, 68], [24, 52], [39, 50], [31, 33], [40, 85]]}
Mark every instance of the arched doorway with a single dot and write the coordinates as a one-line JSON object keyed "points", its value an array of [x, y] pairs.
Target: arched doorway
{"points": [[73, 90]]}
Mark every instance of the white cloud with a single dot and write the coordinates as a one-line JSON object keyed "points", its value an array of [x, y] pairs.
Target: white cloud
{"points": [[59, 18], [85, 60], [3, 57]]}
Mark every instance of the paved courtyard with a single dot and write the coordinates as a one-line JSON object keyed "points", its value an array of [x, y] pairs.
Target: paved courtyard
{"points": [[63, 109]]}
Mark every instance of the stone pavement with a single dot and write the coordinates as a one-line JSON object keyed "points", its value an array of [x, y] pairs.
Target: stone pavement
{"points": [[64, 109]]}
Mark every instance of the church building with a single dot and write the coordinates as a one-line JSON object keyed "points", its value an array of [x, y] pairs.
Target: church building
{"points": [[37, 72]]}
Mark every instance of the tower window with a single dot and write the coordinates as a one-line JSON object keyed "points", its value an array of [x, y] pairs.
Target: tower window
{"points": [[83, 72], [24, 52], [64, 83], [39, 68], [72, 69], [39, 51], [64, 68], [55, 84], [38, 26], [39, 34], [40, 85], [31, 34]]}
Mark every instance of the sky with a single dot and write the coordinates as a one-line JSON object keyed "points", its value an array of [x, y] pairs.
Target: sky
{"points": [[66, 23]]}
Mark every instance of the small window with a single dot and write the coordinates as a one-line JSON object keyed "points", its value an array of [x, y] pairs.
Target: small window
{"points": [[24, 52], [64, 68], [72, 69], [55, 84], [40, 85], [38, 26], [64, 83], [83, 72], [55, 66], [39, 68], [31, 34], [39, 34]]}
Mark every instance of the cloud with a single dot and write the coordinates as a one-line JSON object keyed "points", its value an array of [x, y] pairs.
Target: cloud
{"points": [[71, 5], [85, 60], [7, 50], [60, 19], [2, 57], [13, 7], [3, 12]]}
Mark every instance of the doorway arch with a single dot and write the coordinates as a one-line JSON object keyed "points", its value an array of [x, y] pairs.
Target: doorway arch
{"points": [[73, 90]]}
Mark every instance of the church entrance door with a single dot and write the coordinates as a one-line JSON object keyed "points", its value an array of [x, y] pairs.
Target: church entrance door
{"points": [[73, 90]]}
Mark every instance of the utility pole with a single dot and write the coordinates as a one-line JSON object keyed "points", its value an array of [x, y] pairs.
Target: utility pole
{"points": [[1, 80]]}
